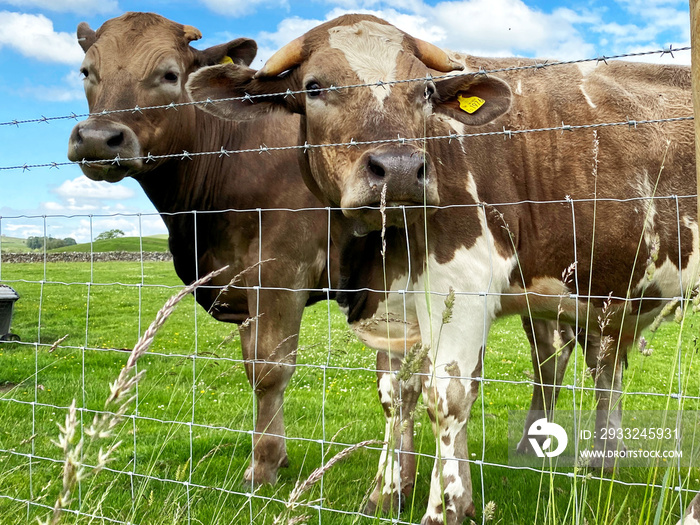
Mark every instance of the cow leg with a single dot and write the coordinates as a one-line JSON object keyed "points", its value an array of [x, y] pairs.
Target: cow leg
{"points": [[549, 364], [269, 365], [450, 386], [605, 363], [397, 463]]}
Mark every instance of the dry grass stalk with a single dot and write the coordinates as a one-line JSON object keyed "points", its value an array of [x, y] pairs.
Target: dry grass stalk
{"points": [[120, 396], [301, 487], [382, 210], [413, 362], [216, 304], [55, 345], [490, 511]]}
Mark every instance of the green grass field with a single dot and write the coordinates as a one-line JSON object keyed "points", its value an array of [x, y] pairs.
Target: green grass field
{"points": [[172, 483], [120, 244], [13, 245], [154, 243]]}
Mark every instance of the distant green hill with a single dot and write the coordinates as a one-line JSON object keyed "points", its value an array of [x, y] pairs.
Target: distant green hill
{"points": [[13, 245], [121, 244]]}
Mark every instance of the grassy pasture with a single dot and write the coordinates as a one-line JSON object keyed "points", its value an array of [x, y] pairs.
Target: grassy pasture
{"points": [[13, 244], [123, 244], [190, 444]]}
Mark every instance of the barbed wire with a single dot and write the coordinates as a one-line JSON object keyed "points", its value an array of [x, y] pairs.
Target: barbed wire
{"points": [[251, 98], [187, 155]]}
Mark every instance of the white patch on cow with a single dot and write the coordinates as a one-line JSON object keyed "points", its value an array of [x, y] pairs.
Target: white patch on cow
{"points": [[645, 189], [454, 488], [692, 517], [386, 389], [665, 278], [691, 273], [456, 126], [586, 68], [389, 464], [585, 95], [394, 327], [519, 88], [371, 50]]}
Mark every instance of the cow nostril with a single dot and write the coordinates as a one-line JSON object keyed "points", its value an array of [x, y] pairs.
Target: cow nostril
{"points": [[116, 140], [421, 176], [375, 168]]}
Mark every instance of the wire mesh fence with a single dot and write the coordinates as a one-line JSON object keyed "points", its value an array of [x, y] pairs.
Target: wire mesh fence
{"points": [[185, 443]]}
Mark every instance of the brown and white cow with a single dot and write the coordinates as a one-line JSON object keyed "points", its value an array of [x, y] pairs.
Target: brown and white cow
{"points": [[500, 221]]}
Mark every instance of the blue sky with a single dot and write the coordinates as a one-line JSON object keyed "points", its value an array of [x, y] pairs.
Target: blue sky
{"points": [[40, 59]]}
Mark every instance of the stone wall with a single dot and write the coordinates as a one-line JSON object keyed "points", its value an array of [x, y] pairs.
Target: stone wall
{"points": [[84, 257]]}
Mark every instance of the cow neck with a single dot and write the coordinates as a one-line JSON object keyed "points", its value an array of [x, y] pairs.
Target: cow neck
{"points": [[203, 182]]}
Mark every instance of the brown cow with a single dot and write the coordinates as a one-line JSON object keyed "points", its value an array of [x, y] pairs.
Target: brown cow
{"points": [[142, 59], [499, 221]]}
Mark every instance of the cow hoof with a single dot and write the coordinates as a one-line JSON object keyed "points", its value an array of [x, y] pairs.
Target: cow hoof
{"points": [[524, 448], [608, 464], [436, 517], [385, 504], [263, 473]]}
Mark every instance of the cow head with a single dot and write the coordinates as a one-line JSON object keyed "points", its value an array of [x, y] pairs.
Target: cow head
{"points": [[347, 51], [138, 60]]}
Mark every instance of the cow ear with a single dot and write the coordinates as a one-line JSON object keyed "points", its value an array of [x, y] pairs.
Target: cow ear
{"points": [[472, 99], [242, 92], [86, 36], [239, 51]]}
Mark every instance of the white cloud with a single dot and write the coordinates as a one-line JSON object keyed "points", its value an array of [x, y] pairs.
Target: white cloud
{"points": [[33, 36], [70, 90], [287, 30], [241, 7], [480, 27], [510, 27], [81, 188], [81, 7]]}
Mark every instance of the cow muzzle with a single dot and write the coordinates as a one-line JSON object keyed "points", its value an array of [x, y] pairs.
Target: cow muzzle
{"points": [[407, 177], [107, 150]]}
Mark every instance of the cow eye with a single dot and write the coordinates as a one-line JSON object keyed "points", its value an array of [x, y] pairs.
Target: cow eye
{"points": [[312, 89], [170, 77], [84, 71], [429, 91]]}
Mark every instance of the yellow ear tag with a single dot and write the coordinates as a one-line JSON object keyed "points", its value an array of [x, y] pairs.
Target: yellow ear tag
{"points": [[470, 104], [226, 60]]}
